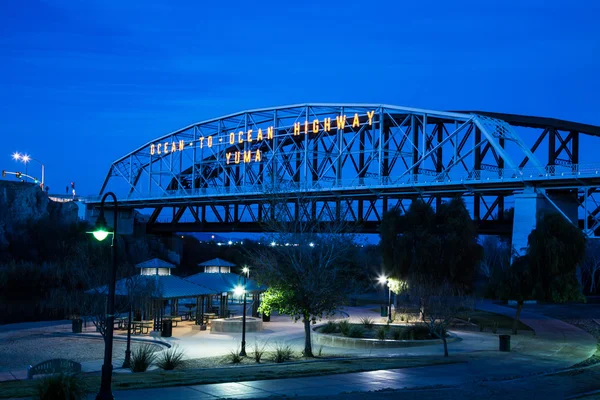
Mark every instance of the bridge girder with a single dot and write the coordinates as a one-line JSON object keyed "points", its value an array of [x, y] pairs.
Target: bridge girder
{"points": [[364, 151]]}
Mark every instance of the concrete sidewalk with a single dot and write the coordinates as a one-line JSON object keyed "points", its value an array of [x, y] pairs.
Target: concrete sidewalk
{"points": [[557, 346]]}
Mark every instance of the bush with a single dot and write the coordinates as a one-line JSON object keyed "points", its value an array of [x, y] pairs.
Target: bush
{"points": [[381, 332], [356, 331], [494, 327], [329, 327], [282, 353], [481, 326], [142, 357], [396, 334], [419, 332], [234, 356], [170, 359], [344, 327], [61, 387], [258, 351], [367, 322]]}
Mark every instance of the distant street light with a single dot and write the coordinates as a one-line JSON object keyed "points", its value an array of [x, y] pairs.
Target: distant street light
{"points": [[384, 280], [100, 232], [25, 159]]}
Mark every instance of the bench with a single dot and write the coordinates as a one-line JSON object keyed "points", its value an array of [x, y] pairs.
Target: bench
{"points": [[54, 366]]}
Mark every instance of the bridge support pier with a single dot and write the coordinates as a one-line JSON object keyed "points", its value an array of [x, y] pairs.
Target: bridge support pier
{"points": [[527, 206]]}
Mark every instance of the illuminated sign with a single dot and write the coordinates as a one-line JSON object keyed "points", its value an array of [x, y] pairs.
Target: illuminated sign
{"points": [[253, 136]]}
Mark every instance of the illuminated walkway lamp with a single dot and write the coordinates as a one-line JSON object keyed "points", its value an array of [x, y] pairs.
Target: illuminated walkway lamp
{"points": [[384, 280], [101, 232]]}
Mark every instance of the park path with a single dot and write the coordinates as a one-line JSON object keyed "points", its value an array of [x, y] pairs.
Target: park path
{"points": [[557, 345]]}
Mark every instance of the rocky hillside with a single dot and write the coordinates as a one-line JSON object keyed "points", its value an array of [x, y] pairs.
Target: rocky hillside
{"points": [[24, 203]]}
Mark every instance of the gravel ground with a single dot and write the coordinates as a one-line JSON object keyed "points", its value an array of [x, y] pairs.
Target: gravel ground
{"points": [[21, 348]]}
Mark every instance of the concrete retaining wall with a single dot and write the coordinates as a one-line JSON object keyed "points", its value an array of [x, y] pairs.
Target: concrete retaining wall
{"points": [[234, 325], [355, 343]]}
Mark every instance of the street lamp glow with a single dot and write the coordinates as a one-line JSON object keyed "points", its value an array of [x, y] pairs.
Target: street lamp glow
{"points": [[245, 270], [100, 235], [101, 230], [273, 244], [382, 279], [311, 244], [25, 158], [16, 156], [230, 243], [238, 290]]}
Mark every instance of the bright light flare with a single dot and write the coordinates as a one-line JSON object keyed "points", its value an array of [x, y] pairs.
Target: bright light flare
{"points": [[25, 158], [273, 244], [238, 290], [311, 244], [16, 156], [100, 235], [245, 270], [382, 279]]}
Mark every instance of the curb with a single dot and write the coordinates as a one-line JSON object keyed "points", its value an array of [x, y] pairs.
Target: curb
{"points": [[116, 337]]}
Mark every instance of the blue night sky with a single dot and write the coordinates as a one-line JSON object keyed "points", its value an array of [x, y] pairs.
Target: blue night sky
{"points": [[84, 82]]}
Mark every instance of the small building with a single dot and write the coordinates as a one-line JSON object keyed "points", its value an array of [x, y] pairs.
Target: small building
{"points": [[217, 266], [155, 266]]}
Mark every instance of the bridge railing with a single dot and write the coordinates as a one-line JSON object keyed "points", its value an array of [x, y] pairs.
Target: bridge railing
{"points": [[429, 178]]}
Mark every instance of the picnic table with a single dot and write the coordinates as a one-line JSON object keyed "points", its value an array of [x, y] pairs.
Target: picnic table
{"points": [[140, 326], [121, 322], [174, 319]]}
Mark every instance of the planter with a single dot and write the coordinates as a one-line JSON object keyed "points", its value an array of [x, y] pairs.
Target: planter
{"points": [[266, 318]]}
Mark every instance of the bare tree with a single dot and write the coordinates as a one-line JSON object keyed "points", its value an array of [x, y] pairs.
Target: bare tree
{"points": [[591, 264], [496, 256], [307, 263], [440, 306]]}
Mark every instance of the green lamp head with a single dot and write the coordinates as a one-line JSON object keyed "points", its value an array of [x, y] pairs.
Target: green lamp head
{"points": [[101, 230]]}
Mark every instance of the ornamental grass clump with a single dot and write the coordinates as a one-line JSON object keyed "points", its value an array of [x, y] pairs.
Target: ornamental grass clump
{"points": [[356, 331], [367, 323], [344, 327], [61, 387], [282, 353], [142, 358], [170, 359], [381, 332], [329, 327]]}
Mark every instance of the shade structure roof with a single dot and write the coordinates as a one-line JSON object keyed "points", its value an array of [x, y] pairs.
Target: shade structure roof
{"points": [[224, 282], [155, 263], [216, 262], [159, 287]]}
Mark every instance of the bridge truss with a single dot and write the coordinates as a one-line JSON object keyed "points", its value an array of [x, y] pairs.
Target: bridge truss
{"points": [[352, 161]]}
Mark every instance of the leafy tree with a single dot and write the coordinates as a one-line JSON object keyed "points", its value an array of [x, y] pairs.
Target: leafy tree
{"points": [[310, 270], [428, 246], [517, 285], [555, 249]]}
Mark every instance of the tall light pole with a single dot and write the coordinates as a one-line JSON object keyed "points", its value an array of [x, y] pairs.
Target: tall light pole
{"points": [[384, 280], [242, 290], [25, 158], [127, 361], [101, 231]]}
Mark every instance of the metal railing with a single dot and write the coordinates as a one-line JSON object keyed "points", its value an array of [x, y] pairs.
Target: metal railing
{"points": [[451, 177]]}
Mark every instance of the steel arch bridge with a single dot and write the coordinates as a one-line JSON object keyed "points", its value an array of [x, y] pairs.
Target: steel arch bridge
{"points": [[353, 161]]}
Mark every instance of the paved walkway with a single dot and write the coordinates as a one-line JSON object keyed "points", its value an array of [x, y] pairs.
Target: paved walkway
{"points": [[557, 345]]}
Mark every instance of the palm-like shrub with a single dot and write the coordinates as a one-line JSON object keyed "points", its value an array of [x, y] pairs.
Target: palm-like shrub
{"points": [[356, 331], [367, 322], [344, 327]]}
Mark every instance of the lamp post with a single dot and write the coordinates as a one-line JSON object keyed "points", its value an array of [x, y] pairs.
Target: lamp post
{"points": [[384, 280], [101, 232], [127, 361], [25, 159], [246, 272]]}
